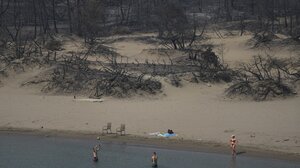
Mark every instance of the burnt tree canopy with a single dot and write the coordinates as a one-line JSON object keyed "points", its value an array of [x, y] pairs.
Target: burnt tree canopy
{"points": [[266, 77]]}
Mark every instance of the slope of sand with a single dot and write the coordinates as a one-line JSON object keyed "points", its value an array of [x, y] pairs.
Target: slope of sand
{"points": [[197, 112], [235, 49]]}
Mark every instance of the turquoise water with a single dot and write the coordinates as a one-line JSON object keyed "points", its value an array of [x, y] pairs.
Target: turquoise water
{"points": [[24, 151]]}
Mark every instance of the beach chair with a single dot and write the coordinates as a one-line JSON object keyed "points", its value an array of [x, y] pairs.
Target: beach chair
{"points": [[121, 130], [107, 128]]}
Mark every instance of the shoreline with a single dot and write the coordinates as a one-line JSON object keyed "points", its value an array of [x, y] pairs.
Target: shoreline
{"points": [[157, 142]]}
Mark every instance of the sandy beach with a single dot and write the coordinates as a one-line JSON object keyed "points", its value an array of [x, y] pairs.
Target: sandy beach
{"points": [[202, 83], [200, 113]]}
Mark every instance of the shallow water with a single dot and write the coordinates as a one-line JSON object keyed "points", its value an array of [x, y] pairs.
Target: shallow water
{"points": [[24, 151]]}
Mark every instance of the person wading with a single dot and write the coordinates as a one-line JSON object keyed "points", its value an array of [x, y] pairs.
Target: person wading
{"points": [[95, 152], [154, 159], [233, 143]]}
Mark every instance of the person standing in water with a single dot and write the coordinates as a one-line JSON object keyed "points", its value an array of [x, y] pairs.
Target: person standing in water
{"points": [[233, 143], [95, 152], [154, 159]]}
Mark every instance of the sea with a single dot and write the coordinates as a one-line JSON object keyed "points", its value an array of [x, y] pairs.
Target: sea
{"points": [[33, 151]]}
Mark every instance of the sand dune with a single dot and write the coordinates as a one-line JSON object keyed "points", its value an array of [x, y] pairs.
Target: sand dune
{"points": [[235, 49]]}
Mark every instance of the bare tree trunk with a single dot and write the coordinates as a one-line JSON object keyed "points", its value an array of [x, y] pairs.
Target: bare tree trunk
{"points": [[16, 25], [41, 22], [200, 5], [122, 12], [70, 16], [232, 4], [3, 10], [273, 15], [242, 25], [227, 9], [79, 27], [54, 17], [285, 14], [148, 6], [128, 12], [219, 10], [252, 5], [35, 18], [45, 18], [138, 11], [291, 24], [16, 33], [297, 12]]}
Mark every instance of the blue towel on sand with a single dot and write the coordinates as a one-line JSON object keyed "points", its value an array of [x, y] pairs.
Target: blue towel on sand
{"points": [[167, 135]]}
